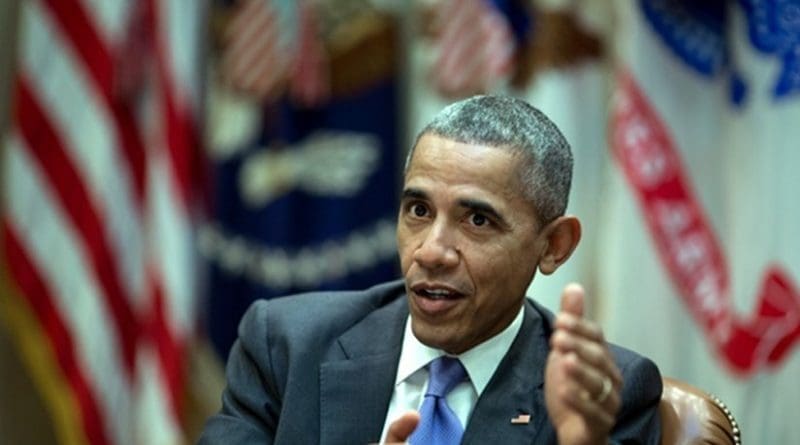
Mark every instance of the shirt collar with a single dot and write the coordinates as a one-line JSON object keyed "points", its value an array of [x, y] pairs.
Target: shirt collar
{"points": [[480, 362]]}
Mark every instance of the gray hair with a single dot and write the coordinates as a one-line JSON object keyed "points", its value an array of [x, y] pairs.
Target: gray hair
{"points": [[513, 124]]}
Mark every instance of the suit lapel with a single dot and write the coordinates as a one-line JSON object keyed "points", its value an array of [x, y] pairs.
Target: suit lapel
{"points": [[357, 379], [516, 388]]}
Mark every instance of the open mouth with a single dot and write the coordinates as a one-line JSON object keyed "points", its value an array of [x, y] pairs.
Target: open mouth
{"points": [[436, 299], [437, 293]]}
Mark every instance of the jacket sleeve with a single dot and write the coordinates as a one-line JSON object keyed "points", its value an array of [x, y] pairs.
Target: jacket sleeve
{"points": [[251, 401], [638, 421]]}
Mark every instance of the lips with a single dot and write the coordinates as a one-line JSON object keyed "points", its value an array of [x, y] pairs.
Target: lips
{"points": [[435, 299]]}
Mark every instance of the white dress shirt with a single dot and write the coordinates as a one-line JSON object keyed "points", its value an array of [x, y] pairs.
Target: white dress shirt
{"points": [[480, 363]]}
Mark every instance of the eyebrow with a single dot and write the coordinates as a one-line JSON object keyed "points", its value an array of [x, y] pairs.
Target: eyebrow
{"points": [[482, 207], [413, 193]]}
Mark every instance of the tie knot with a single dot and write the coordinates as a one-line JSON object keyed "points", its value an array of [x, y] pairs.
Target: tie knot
{"points": [[445, 373]]}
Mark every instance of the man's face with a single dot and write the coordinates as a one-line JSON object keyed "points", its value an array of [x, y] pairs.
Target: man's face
{"points": [[468, 242]]}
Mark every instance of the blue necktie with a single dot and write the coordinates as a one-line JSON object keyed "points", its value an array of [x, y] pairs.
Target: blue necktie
{"points": [[438, 424]]}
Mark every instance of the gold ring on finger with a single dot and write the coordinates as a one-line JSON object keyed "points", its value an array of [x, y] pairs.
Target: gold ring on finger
{"points": [[603, 396]]}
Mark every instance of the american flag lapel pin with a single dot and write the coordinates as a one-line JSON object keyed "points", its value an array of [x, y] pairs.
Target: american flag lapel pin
{"points": [[522, 419]]}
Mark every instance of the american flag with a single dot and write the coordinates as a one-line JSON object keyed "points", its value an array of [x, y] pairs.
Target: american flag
{"points": [[475, 47], [97, 228], [265, 52]]}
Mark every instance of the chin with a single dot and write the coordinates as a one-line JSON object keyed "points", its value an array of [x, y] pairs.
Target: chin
{"points": [[430, 335]]}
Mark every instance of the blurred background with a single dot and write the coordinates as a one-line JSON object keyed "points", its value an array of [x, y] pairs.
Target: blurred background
{"points": [[167, 162]]}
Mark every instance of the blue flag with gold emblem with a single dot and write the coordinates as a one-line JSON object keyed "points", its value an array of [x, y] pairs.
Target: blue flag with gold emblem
{"points": [[303, 139]]}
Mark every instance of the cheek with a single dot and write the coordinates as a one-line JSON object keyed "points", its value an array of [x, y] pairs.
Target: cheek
{"points": [[405, 263], [489, 262], [496, 271], [404, 250]]}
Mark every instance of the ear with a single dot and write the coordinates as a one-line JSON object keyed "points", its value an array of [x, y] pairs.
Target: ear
{"points": [[561, 237]]}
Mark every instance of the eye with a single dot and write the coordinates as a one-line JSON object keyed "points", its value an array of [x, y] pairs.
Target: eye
{"points": [[419, 210], [478, 220]]}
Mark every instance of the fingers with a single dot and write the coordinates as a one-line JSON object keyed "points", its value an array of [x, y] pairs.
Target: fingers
{"points": [[401, 428], [583, 337], [589, 347], [572, 299], [583, 382], [579, 326], [573, 391], [593, 385], [584, 404]]}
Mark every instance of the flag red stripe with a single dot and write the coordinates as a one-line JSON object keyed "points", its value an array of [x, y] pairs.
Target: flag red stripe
{"points": [[32, 287], [170, 352], [180, 143], [249, 30], [254, 59], [170, 147], [260, 64], [179, 124], [132, 147], [80, 31], [66, 183], [179, 129], [461, 23], [474, 48]]}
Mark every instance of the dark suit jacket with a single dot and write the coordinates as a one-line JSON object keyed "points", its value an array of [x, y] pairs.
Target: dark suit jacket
{"points": [[320, 368]]}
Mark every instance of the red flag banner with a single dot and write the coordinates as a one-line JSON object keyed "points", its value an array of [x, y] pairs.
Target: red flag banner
{"points": [[689, 247]]}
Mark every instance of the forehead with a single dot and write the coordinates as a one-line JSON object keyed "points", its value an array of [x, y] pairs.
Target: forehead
{"points": [[472, 167]]}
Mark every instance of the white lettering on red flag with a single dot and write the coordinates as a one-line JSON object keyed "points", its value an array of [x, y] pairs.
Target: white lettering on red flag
{"points": [[688, 246]]}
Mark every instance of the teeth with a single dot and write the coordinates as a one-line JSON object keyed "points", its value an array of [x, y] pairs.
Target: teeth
{"points": [[437, 294]]}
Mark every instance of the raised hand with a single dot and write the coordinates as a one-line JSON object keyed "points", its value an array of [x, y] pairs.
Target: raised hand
{"points": [[582, 382]]}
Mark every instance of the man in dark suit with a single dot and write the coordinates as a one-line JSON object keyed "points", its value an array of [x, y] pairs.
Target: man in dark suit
{"points": [[482, 208]]}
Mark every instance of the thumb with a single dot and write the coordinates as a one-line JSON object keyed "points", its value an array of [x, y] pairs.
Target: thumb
{"points": [[401, 428], [572, 299]]}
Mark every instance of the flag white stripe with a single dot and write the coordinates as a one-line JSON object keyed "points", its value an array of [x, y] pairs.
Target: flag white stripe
{"points": [[155, 423], [151, 241], [458, 30], [84, 126], [255, 52], [260, 61], [182, 46], [110, 17], [172, 247], [475, 47], [62, 262], [498, 50]]}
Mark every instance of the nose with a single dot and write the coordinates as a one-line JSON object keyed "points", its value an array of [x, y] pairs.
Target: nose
{"points": [[438, 249]]}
